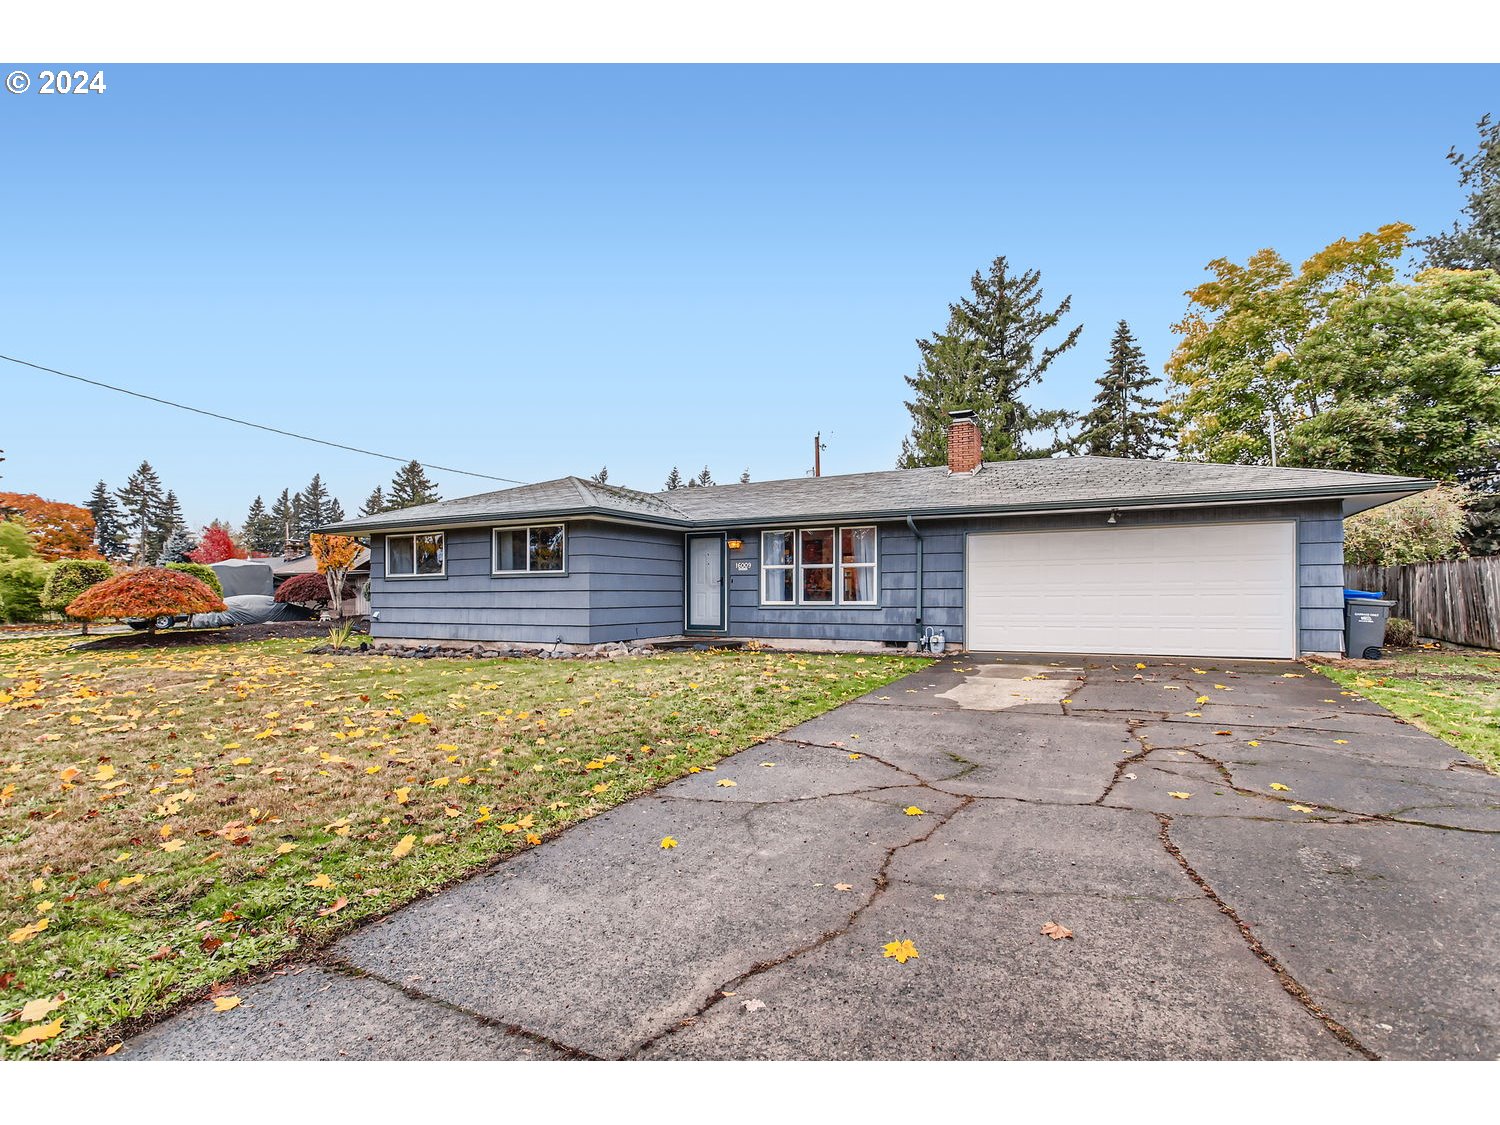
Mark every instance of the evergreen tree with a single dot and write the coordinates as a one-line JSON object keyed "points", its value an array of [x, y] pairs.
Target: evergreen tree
{"points": [[674, 480], [141, 503], [410, 487], [284, 516], [374, 503], [602, 476], [989, 353], [109, 526], [312, 509], [1124, 422], [1475, 243], [261, 532], [702, 480], [335, 512], [180, 543], [745, 477]]}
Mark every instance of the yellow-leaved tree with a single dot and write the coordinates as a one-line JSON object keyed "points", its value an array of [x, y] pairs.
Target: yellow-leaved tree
{"points": [[335, 556]]}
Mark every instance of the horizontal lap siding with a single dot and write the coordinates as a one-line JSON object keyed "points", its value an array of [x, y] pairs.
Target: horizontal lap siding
{"points": [[621, 583], [635, 581]]}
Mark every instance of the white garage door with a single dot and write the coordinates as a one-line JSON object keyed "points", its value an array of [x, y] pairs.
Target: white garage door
{"points": [[1226, 589]]}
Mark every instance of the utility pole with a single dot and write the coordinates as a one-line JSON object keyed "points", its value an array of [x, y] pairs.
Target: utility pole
{"points": [[1271, 421], [818, 448]]}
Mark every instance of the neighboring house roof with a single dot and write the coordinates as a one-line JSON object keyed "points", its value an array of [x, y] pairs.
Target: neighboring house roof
{"points": [[306, 564], [1050, 484]]}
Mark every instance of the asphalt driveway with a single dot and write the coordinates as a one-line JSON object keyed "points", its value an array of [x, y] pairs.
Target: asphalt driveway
{"points": [[1252, 863]]}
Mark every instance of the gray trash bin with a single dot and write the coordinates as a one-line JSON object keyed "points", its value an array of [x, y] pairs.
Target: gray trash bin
{"points": [[1364, 626]]}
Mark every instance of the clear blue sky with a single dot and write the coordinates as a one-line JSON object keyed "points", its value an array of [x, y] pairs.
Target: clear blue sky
{"points": [[535, 271]]}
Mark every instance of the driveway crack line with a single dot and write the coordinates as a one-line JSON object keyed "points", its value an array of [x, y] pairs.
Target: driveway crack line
{"points": [[343, 967], [1288, 982], [882, 883]]}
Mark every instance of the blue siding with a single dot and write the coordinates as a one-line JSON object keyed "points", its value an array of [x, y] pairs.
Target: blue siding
{"points": [[625, 583], [622, 583]]}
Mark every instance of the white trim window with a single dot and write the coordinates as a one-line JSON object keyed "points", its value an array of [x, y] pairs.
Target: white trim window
{"points": [[778, 568], [416, 556], [539, 549], [857, 566], [819, 566]]}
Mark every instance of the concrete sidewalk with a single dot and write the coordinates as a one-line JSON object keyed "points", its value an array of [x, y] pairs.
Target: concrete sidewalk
{"points": [[1224, 925]]}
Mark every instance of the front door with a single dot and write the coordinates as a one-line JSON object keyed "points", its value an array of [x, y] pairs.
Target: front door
{"points": [[705, 592]]}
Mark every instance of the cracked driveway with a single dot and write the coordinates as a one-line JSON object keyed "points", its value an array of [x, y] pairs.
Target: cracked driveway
{"points": [[1351, 914]]}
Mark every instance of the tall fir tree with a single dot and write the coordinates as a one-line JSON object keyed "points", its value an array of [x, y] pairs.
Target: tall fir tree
{"points": [[674, 480], [312, 509], [602, 476], [141, 502], [109, 524], [260, 532], [1474, 242], [168, 518], [1125, 421], [374, 503], [745, 477], [335, 512], [284, 516], [410, 487], [703, 479], [990, 352]]}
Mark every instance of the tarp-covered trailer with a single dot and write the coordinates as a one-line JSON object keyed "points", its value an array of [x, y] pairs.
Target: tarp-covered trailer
{"points": [[245, 576]]}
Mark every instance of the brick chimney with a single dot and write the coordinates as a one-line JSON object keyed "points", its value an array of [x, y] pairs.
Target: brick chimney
{"points": [[965, 445]]}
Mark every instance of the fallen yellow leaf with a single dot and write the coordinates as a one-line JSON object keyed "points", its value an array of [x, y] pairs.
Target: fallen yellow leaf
{"points": [[404, 846], [36, 1034], [1180, 796], [668, 842], [912, 810], [224, 1003], [40, 1009], [320, 880], [1280, 787], [903, 951]]}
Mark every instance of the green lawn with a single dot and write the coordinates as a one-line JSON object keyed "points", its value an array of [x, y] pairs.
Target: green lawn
{"points": [[1454, 695], [172, 817]]}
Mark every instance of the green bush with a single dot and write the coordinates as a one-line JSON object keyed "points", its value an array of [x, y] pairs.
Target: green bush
{"points": [[1400, 633], [1427, 527], [71, 577], [21, 584], [15, 543], [203, 573]]}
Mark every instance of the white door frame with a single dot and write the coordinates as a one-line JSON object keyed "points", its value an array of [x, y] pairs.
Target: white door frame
{"points": [[688, 625]]}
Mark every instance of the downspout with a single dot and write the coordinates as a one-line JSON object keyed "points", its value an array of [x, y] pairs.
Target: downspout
{"points": [[911, 523]]}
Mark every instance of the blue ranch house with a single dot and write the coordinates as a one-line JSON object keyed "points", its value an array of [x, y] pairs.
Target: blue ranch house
{"points": [[1062, 555]]}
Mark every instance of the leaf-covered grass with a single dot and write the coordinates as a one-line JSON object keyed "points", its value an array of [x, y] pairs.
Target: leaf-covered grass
{"points": [[1453, 695], [177, 816]]}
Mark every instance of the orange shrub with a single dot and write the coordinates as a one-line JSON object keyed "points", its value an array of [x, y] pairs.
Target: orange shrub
{"points": [[148, 592]]}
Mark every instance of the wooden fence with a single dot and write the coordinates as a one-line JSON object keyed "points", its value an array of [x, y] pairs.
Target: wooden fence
{"points": [[1451, 601]]}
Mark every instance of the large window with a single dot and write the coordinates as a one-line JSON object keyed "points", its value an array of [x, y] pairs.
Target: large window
{"points": [[414, 556], [819, 566], [530, 550]]}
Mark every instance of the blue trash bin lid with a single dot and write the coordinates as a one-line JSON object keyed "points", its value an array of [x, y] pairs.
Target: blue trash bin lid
{"points": [[1361, 595]]}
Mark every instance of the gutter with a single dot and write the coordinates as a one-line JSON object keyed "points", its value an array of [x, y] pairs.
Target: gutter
{"points": [[921, 573]]}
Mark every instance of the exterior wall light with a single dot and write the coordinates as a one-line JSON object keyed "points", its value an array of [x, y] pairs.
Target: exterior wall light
{"points": [[736, 544], [1114, 517]]}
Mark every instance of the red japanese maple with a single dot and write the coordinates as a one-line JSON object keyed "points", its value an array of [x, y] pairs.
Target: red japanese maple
{"points": [[216, 545], [149, 592]]}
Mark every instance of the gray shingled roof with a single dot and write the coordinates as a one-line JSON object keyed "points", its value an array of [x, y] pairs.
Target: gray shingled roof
{"points": [[1057, 483]]}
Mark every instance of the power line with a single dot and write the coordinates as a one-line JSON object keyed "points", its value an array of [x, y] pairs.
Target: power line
{"points": [[255, 425]]}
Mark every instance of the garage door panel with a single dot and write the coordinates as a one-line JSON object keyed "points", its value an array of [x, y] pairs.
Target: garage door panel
{"points": [[1188, 590]]}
